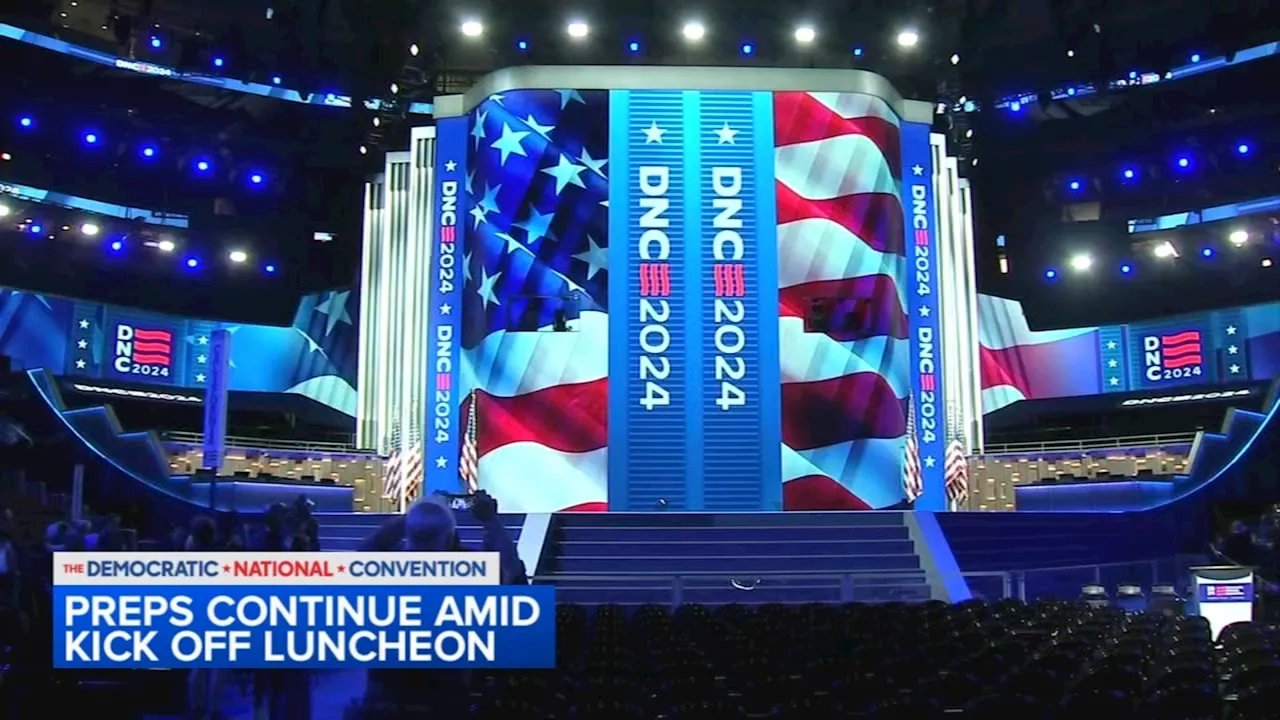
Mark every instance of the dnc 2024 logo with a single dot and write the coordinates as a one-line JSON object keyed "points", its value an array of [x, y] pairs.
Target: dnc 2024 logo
{"points": [[1176, 356], [140, 351]]}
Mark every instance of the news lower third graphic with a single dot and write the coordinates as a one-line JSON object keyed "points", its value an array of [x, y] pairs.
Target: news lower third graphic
{"points": [[296, 610]]}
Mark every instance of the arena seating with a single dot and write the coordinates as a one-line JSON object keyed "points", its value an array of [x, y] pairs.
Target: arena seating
{"points": [[1050, 660]]}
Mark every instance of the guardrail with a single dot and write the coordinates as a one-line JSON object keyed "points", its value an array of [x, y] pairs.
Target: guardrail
{"points": [[1013, 582], [190, 438], [1132, 441]]}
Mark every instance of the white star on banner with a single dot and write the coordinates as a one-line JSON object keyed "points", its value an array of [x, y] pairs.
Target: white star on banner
{"points": [[446, 309], [477, 129], [466, 268], [653, 134], [80, 364], [442, 462], [566, 173], [924, 311], [726, 135], [84, 324], [486, 289], [490, 200], [509, 143], [82, 344], [917, 170], [471, 179], [1235, 369], [496, 98], [597, 166], [1232, 350], [478, 212], [544, 130], [513, 244], [202, 359], [1114, 381], [929, 461], [312, 345], [1111, 345], [199, 377], [202, 340], [450, 166], [1231, 329], [536, 226], [1112, 363], [596, 258], [568, 96], [334, 307]]}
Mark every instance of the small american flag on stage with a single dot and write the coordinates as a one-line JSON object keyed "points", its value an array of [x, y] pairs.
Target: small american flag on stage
{"points": [[393, 466], [912, 480], [413, 469], [956, 468], [469, 465]]}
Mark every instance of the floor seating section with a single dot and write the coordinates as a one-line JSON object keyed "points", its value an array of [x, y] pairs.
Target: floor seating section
{"points": [[344, 531], [749, 558]]}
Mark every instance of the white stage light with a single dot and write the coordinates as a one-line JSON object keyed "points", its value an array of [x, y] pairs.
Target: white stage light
{"points": [[910, 38], [1081, 263], [955, 59], [578, 30], [89, 229], [1239, 237], [694, 31], [1165, 250], [413, 50], [4, 211], [237, 256], [472, 28], [395, 89], [805, 34], [166, 246]]}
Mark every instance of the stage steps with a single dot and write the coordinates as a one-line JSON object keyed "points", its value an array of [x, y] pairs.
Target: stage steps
{"points": [[751, 558], [345, 531]]}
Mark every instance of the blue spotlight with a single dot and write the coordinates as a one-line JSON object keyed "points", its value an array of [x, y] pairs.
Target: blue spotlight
{"points": [[25, 122], [117, 246], [1051, 274], [270, 269], [35, 229], [218, 62], [90, 138], [256, 178], [1071, 92], [155, 42], [633, 46], [148, 151], [1195, 57], [1207, 252], [203, 166], [275, 79], [1133, 74], [857, 52], [1184, 162], [523, 45], [748, 48], [193, 263], [1242, 149], [1074, 185], [1015, 106], [1126, 269], [1128, 174]]}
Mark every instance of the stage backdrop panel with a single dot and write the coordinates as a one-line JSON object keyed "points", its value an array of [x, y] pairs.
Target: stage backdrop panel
{"points": [[712, 223], [315, 357], [1209, 348]]}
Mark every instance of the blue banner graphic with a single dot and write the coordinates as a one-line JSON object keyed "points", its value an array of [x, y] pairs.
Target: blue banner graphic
{"points": [[327, 627], [1226, 592], [927, 384], [444, 308], [648, 397], [215, 400]]}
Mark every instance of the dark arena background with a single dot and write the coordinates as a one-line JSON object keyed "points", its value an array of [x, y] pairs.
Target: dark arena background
{"points": [[839, 360]]}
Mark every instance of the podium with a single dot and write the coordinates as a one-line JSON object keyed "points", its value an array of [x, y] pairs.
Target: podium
{"points": [[1224, 595]]}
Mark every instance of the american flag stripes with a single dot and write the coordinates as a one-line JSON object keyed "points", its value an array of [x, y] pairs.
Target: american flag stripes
{"points": [[469, 463], [912, 479], [412, 464], [393, 466], [956, 464]]}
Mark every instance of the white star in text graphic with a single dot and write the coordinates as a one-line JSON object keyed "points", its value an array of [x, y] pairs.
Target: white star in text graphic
{"points": [[509, 143], [442, 462], [199, 377], [80, 364], [917, 170], [1114, 381], [924, 311], [450, 166], [1231, 329], [84, 324], [1111, 345], [82, 344], [929, 461], [1235, 369], [1113, 363], [726, 135], [202, 359], [1232, 350], [653, 134], [596, 258], [202, 340], [445, 309]]}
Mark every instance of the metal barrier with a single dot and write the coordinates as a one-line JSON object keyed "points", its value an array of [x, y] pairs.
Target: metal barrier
{"points": [[190, 438], [1013, 583], [1132, 441]]}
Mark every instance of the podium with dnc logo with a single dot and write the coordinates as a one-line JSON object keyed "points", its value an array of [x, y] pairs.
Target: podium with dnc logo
{"points": [[1224, 595]]}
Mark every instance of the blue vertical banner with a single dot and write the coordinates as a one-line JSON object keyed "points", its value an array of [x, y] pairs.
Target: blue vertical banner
{"points": [[444, 310], [648, 394], [727, 258], [215, 399], [923, 256]]}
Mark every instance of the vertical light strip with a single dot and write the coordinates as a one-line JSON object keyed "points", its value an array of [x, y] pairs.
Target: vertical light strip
{"points": [[399, 410], [963, 372], [946, 338], [366, 420], [971, 275], [421, 211]]}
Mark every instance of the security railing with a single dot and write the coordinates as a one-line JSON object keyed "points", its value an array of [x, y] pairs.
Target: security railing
{"points": [[851, 586], [190, 438], [1131, 441]]}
